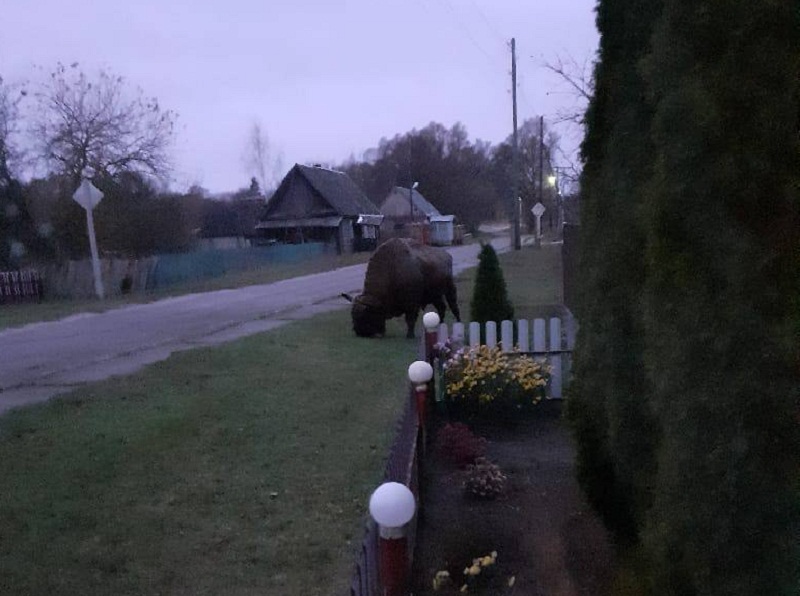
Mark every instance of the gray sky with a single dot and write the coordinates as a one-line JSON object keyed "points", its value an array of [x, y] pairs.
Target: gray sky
{"points": [[326, 78]]}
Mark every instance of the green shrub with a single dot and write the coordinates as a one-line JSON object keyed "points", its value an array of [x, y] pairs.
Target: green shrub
{"points": [[490, 297]]}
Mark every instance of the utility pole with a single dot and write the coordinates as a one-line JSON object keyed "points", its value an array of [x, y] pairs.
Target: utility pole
{"points": [[541, 162], [515, 207]]}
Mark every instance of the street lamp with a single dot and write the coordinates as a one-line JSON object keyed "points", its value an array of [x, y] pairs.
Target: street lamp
{"points": [[552, 179], [392, 506], [411, 200]]}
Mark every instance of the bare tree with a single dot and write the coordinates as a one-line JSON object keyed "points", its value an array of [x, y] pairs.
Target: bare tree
{"points": [[10, 153], [97, 127], [579, 80], [258, 158]]}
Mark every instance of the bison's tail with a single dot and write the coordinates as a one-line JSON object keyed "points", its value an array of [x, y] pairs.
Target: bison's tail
{"points": [[451, 296]]}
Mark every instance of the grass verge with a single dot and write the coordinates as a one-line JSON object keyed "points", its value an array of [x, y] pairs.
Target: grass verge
{"points": [[236, 470], [14, 315]]}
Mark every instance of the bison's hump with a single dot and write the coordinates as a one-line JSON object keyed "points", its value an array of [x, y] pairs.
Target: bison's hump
{"points": [[407, 266]]}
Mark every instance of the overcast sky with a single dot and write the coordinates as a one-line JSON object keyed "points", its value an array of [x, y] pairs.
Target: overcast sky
{"points": [[325, 78]]}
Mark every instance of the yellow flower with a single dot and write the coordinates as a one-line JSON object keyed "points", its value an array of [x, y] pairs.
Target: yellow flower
{"points": [[441, 579]]}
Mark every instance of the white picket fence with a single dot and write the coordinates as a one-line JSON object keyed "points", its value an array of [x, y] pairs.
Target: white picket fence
{"points": [[551, 339]]}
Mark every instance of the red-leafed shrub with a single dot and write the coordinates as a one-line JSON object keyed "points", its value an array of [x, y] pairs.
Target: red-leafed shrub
{"points": [[459, 444]]}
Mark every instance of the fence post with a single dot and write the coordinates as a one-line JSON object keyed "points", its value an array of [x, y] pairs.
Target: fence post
{"points": [[474, 334], [555, 361], [507, 336], [522, 336], [491, 334]]}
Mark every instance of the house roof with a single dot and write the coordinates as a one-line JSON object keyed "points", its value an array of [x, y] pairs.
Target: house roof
{"points": [[442, 218], [421, 204], [339, 190]]}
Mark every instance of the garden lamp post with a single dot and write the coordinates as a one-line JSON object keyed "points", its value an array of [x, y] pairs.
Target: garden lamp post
{"points": [[420, 373], [392, 506], [430, 320]]}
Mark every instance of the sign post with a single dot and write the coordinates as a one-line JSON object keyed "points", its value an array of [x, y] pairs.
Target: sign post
{"points": [[538, 210], [88, 196]]}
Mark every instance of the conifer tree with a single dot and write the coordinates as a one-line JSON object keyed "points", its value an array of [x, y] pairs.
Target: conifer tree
{"points": [[616, 431], [722, 287], [490, 297]]}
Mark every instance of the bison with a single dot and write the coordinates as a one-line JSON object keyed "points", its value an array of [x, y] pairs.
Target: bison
{"points": [[403, 276]]}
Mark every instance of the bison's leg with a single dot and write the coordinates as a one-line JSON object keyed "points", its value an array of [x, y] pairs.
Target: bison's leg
{"points": [[452, 299], [411, 322]]}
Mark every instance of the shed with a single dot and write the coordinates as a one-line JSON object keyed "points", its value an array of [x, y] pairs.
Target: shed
{"points": [[315, 204], [442, 229]]}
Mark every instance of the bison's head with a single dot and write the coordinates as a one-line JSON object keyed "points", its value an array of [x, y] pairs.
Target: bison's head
{"points": [[368, 316]]}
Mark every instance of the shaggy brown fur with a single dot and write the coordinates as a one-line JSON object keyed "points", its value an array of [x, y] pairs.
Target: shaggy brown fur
{"points": [[403, 276]]}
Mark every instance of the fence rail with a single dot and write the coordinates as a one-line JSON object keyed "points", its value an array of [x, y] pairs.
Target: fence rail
{"points": [[20, 286], [552, 338]]}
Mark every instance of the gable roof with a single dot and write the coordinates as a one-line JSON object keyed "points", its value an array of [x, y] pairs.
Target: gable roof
{"points": [[421, 204], [339, 190]]}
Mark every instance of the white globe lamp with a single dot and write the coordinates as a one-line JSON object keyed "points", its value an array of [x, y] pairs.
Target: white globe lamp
{"points": [[431, 320], [420, 372], [392, 505]]}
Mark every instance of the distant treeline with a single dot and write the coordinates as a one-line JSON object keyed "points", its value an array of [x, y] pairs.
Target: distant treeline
{"points": [[472, 180]]}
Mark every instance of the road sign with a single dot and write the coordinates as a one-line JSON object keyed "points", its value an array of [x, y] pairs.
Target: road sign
{"points": [[88, 196], [538, 210]]}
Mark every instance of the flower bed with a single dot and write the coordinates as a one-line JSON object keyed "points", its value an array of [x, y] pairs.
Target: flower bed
{"points": [[482, 382], [540, 535]]}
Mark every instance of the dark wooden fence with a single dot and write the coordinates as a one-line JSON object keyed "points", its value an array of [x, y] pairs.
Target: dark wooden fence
{"points": [[20, 286], [403, 467], [569, 255]]}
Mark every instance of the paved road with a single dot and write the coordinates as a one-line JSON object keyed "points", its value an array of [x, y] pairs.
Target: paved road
{"points": [[46, 359]]}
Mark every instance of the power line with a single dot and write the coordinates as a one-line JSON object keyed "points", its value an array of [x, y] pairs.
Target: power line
{"points": [[487, 21], [461, 25]]}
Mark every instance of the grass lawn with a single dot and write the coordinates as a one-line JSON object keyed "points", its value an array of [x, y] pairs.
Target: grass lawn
{"points": [[243, 469], [13, 315]]}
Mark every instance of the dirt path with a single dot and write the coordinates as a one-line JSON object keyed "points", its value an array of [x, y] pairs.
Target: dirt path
{"points": [[545, 534]]}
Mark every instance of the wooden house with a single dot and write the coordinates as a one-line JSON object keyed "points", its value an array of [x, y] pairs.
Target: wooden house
{"points": [[315, 204]]}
